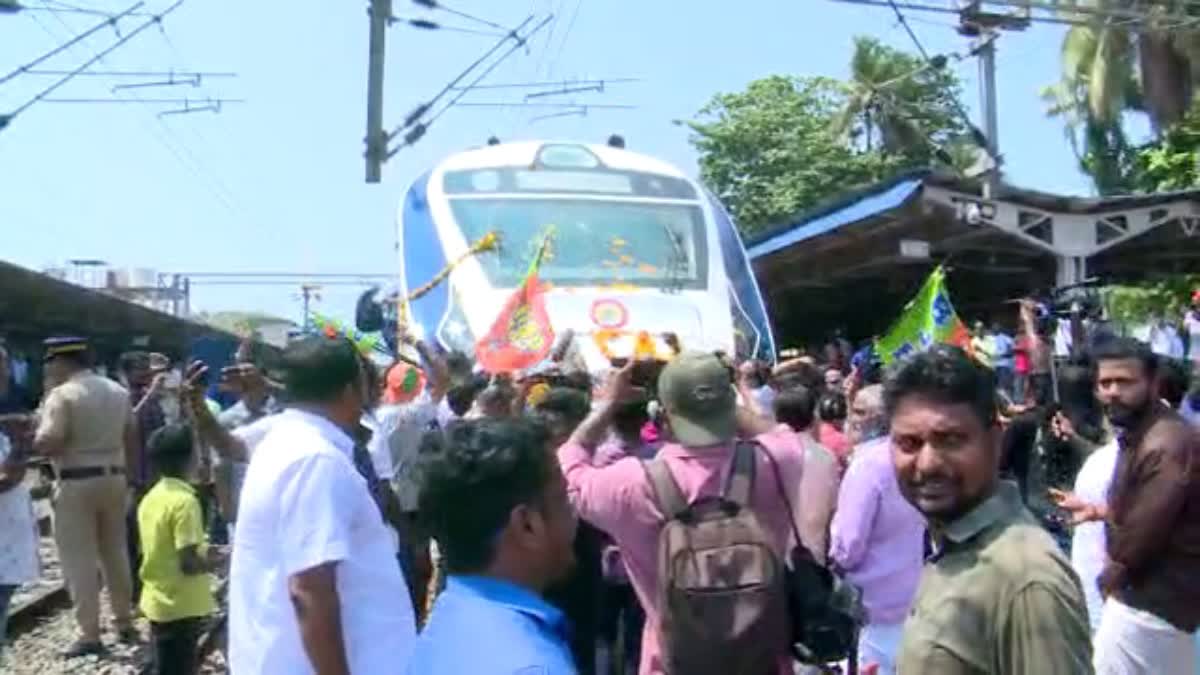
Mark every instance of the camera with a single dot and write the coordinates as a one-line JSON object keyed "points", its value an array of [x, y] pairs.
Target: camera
{"points": [[645, 373], [1065, 302]]}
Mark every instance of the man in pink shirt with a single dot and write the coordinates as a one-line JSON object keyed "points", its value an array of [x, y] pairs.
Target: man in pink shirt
{"points": [[795, 409], [697, 395]]}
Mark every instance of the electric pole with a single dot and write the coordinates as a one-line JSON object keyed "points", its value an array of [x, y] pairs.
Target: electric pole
{"points": [[309, 293], [984, 27], [987, 75], [380, 13]]}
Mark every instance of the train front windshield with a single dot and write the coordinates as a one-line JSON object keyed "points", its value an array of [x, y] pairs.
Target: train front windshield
{"points": [[594, 242]]}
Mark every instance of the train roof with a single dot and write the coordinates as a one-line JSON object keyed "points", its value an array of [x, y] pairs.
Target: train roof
{"points": [[526, 153]]}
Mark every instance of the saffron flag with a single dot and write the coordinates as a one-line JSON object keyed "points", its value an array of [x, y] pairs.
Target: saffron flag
{"points": [[928, 318], [521, 335]]}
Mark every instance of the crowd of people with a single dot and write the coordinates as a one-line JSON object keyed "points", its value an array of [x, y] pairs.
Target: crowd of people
{"points": [[1000, 509]]}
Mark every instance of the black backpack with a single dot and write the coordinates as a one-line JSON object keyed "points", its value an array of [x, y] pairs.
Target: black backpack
{"points": [[826, 610]]}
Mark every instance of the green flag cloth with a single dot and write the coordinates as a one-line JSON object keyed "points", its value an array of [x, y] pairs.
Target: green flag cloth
{"points": [[927, 319]]}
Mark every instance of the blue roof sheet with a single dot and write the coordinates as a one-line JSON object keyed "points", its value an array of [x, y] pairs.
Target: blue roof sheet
{"points": [[856, 210]]}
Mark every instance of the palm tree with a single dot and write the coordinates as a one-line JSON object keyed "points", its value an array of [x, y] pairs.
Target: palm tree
{"points": [[1097, 86], [893, 99], [1148, 67]]}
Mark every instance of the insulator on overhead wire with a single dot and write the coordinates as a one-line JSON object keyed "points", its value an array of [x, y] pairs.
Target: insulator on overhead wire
{"points": [[414, 134], [416, 114]]}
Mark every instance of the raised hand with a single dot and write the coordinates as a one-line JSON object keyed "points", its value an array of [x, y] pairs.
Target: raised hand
{"points": [[195, 379]]}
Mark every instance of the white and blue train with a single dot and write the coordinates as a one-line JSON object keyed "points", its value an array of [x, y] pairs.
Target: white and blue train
{"points": [[634, 245]]}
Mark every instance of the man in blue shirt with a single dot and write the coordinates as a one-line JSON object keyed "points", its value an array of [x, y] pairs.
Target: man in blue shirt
{"points": [[495, 501]]}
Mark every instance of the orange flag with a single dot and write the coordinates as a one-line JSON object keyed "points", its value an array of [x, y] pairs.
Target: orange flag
{"points": [[521, 335]]}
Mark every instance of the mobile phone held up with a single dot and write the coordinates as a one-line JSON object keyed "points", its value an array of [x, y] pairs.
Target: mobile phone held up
{"points": [[645, 373]]}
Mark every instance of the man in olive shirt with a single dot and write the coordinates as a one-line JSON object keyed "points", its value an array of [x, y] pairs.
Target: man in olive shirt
{"points": [[996, 596]]}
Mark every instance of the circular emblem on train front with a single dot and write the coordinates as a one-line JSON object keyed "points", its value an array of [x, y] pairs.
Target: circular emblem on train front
{"points": [[609, 313]]}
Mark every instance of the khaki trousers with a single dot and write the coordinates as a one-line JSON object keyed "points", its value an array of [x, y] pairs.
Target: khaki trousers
{"points": [[89, 528]]}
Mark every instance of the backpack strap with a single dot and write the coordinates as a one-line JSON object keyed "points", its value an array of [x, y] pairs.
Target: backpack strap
{"points": [[667, 494], [779, 486], [739, 484]]}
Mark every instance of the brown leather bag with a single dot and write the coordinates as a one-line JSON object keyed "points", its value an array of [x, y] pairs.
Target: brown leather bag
{"points": [[722, 598]]}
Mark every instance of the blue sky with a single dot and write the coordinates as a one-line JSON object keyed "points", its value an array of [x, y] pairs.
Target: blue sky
{"points": [[277, 184]]}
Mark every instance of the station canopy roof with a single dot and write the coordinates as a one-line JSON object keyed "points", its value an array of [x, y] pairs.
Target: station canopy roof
{"points": [[855, 261], [35, 306]]}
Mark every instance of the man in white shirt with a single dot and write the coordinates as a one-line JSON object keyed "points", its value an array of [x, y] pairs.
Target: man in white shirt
{"points": [[1191, 323], [1088, 548], [1163, 339], [314, 584]]}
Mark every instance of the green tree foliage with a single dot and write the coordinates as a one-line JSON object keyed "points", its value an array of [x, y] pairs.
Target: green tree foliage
{"points": [[1170, 163], [898, 102], [1151, 68], [1110, 69], [1136, 304], [1098, 84], [240, 323], [788, 143]]}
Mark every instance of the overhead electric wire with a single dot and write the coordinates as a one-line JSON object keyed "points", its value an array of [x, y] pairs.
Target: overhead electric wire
{"points": [[168, 140], [980, 139], [1054, 15], [230, 199], [908, 29], [420, 111], [562, 45], [435, 5], [156, 101], [130, 73], [6, 119], [426, 24], [418, 130], [543, 66], [80, 10], [525, 104], [488, 71], [558, 83], [111, 21], [579, 112]]}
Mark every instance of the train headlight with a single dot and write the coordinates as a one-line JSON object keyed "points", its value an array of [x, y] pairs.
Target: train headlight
{"points": [[560, 156]]}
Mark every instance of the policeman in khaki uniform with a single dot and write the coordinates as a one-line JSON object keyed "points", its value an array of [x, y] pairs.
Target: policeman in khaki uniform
{"points": [[86, 428]]}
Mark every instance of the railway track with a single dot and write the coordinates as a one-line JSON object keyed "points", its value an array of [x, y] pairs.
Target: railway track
{"points": [[50, 591], [36, 600], [41, 625]]}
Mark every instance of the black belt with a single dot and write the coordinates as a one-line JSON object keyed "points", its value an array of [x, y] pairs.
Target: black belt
{"points": [[90, 472]]}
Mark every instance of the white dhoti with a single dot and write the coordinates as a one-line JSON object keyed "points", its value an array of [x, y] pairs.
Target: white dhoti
{"points": [[1132, 642], [878, 644]]}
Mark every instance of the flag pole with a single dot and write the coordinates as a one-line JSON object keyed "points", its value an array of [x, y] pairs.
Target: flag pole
{"points": [[541, 251]]}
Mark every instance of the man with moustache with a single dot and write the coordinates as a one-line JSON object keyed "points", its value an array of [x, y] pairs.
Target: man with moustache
{"points": [[996, 595], [1152, 605]]}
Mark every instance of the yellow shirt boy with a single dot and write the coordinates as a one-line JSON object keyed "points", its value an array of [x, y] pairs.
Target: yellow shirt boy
{"points": [[170, 520]]}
